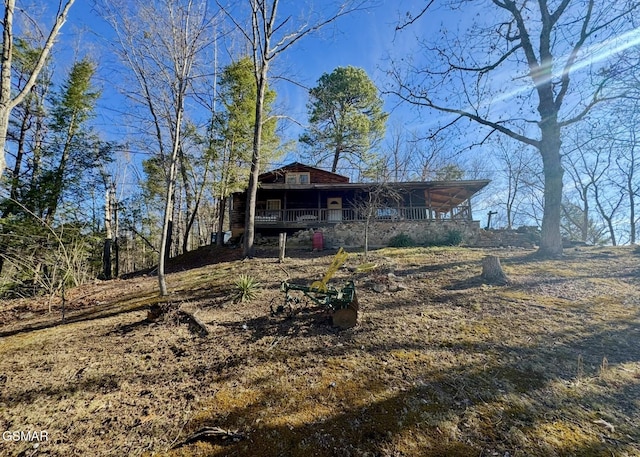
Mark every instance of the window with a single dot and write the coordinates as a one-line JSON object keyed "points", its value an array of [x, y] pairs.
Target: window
{"points": [[298, 178], [273, 204]]}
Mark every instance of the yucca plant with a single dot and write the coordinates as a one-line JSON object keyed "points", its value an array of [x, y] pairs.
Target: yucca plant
{"points": [[246, 288]]}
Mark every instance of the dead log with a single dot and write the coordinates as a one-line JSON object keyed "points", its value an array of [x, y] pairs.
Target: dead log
{"points": [[492, 270], [185, 313], [194, 321], [212, 434]]}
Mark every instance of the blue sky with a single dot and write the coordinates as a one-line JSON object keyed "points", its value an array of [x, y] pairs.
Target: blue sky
{"points": [[364, 39]]}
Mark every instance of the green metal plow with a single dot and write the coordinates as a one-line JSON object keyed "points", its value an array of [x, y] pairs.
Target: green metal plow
{"points": [[342, 303]]}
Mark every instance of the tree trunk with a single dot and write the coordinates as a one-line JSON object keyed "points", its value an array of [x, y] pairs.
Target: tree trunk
{"points": [[366, 237], [632, 211], [4, 126], [106, 250], [336, 158], [15, 178], [282, 246], [585, 217], [106, 259], [189, 201], [5, 78], [116, 258], [252, 191], [492, 270], [222, 207], [189, 227], [612, 230], [116, 230], [167, 225], [551, 238]]}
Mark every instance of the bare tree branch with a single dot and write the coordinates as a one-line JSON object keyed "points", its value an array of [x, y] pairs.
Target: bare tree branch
{"points": [[412, 19]]}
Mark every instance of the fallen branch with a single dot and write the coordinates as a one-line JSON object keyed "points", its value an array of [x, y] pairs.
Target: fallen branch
{"points": [[210, 434], [183, 314], [194, 320], [606, 424]]}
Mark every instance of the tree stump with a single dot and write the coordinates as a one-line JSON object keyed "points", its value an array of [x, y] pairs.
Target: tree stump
{"points": [[282, 244], [492, 270]]}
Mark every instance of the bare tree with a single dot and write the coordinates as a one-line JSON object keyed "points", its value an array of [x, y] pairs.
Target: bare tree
{"points": [[375, 197], [594, 165], [542, 46], [270, 36], [161, 41], [583, 167], [627, 162], [8, 101], [515, 165]]}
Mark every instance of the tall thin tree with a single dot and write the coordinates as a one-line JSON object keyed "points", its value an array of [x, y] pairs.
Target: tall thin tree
{"points": [[8, 100], [162, 51], [270, 36]]}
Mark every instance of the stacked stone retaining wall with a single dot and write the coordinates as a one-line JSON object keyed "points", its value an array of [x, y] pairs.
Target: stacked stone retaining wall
{"points": [[352, 234]]}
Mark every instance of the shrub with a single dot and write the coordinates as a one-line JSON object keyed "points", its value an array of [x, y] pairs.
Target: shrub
{"points": [[533, 233], [401, 240], [453, 238], [246, 288]]}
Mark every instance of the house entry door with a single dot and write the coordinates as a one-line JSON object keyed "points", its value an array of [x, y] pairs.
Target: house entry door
{"points": [[334, 207]]}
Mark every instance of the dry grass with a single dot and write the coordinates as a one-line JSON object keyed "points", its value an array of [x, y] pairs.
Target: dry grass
{"points": [[444, 366]]}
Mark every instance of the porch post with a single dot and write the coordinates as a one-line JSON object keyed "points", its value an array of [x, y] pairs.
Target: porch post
{"points": [[284, 203]]}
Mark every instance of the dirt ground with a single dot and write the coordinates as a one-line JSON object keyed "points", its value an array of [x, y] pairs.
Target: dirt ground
{"points": [[441, 363]]}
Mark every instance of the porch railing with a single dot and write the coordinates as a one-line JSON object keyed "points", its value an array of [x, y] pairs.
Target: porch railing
{"points": [[309, 216]]}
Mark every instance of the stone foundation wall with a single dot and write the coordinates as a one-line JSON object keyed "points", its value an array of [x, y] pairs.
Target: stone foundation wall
{"points": [[506, 238], [352, 234]]}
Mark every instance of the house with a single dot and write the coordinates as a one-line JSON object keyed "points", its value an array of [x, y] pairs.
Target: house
{"points": [[300, 197]]}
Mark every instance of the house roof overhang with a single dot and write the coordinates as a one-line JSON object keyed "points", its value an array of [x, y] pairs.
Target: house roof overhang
{"points": [[442, 195]]}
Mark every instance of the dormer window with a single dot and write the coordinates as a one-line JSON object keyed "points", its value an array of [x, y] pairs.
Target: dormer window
{"points": [[298, 178]]}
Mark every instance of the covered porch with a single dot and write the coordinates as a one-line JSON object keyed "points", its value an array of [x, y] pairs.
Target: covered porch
{"points": [[290, 207]]}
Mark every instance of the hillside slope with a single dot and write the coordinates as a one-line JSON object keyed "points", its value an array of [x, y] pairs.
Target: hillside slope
{"points": [[440, 364]]}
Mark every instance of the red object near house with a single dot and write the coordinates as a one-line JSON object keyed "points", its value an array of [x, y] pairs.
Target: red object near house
{"points": [[318, 241]]}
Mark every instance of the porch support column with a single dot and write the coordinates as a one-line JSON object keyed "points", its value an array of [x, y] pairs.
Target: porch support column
{"points": [[452, 207], [285, 206]]}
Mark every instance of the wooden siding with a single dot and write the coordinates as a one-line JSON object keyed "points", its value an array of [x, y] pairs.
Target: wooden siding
{"points": [[316, 175], [239, 203]]}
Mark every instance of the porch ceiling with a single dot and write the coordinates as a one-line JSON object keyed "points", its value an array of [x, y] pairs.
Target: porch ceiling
{"points": [[443, 195]]}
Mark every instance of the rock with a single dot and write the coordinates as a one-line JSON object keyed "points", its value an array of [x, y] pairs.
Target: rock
{"points": [[378, 287]]}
